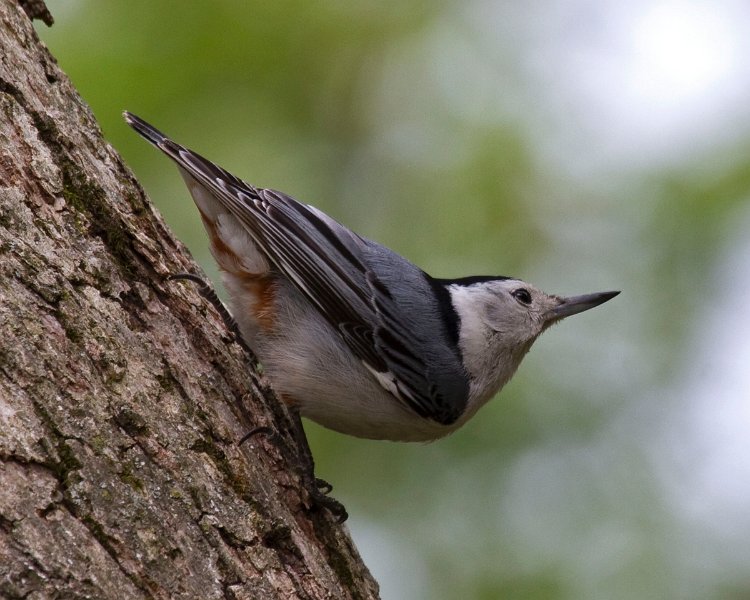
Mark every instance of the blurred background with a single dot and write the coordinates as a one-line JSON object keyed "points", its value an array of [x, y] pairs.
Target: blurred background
{"points": [[581, 145]]}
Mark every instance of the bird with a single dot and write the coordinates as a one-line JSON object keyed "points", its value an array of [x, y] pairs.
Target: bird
{"points": [[350, 334]]}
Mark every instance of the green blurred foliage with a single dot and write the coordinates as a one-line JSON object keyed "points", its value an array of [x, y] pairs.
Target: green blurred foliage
{"points": [[374, 112]]}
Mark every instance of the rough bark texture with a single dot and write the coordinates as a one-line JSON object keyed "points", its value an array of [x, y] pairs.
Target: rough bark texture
{"points": [[121, 396]]}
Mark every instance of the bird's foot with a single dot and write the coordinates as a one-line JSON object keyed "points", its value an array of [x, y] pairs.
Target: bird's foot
{"points": [[322, 500], [253, 432], [318, 489]]}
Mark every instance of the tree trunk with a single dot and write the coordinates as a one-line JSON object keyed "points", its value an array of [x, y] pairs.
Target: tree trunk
{"points": [[122, 397]]}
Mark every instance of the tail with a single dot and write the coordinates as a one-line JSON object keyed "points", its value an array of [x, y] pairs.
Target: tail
{"points": [[198, 167], [153, 135], [172, 149]]}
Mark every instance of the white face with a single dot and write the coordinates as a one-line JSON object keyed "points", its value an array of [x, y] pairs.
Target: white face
{"points": [[515, 310], [499, 322], [500, 319]]}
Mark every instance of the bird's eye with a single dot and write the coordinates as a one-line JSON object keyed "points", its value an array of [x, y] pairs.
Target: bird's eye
{"points": [[522, 295]]}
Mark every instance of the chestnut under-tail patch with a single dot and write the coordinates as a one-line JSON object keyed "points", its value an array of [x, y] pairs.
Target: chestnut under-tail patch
{"points": [[289, 400], [262, 291]]}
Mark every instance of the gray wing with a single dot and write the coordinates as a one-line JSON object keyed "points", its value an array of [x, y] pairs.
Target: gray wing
{"points": [[333, 267]]}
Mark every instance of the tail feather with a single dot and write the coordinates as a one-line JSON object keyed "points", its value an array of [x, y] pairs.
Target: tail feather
{"points": [[149, 132]]}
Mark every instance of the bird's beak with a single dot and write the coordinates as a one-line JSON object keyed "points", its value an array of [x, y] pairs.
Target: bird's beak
{"points": [[577, 304]]}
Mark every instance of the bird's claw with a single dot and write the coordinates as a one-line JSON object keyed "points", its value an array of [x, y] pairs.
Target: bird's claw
{"points": [[324, 487], [320, 499]]}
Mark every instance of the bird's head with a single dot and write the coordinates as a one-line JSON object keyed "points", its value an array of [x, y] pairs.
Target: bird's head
{"points": [[500, 318]]}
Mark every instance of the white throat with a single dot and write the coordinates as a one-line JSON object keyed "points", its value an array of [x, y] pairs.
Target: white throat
{"points": [[486, 354]]}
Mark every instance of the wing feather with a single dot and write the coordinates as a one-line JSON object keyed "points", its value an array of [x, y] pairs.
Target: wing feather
{"points": [[326, 262]]}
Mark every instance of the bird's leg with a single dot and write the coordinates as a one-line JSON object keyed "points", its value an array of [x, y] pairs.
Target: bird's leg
{"points": [[253, 432], [209, 294], [317, 488]]}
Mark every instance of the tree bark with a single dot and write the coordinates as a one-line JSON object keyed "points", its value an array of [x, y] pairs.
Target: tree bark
{"points": [[122, 397]]}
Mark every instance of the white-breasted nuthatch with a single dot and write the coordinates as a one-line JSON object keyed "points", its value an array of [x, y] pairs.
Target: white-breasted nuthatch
{"points": [[350, 334]]}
